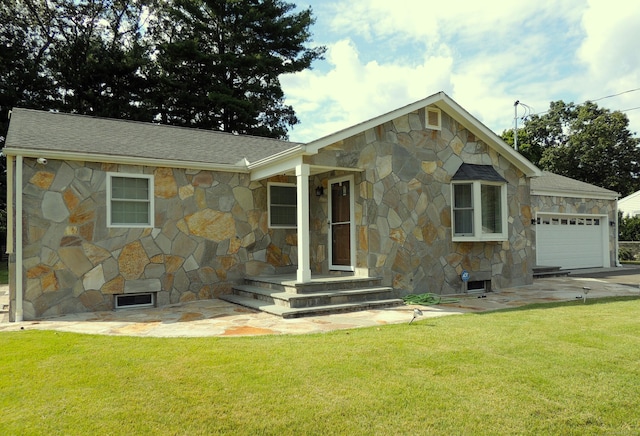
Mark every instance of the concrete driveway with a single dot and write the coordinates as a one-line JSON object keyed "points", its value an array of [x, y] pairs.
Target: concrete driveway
{"points": [[625, 275]]}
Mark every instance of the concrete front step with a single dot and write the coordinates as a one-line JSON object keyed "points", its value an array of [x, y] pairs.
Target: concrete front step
{"points": [[540, 272], [289, 284], [325, 298], [289, 312]]}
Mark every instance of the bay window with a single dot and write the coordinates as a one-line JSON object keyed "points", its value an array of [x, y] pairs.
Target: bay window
{"points": [[479, 206]]}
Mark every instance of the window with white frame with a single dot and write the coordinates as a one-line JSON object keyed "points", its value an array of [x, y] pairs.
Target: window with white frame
{"points": [[283, 205], [129, 200], [479, 207]]}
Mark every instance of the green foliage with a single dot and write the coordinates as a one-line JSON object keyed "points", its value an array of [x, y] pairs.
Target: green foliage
{"points": [[628, 228], [584, 142], [556, 369], [625, 254], [219, 62], [428, 299]]}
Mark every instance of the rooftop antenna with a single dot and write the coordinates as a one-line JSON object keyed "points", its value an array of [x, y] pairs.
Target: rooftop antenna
{"points": [[515, 116], [515, 129]]}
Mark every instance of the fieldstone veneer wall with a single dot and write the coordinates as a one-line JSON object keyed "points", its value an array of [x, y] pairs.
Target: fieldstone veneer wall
{"points": [[211, 229], [571, 205], [403, 208]]}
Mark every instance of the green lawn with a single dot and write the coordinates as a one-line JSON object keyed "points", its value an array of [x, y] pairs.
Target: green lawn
{"points": [[568, 368]]}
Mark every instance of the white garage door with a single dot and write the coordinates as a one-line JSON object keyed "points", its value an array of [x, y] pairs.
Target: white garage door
{"points": [[570, 241]]}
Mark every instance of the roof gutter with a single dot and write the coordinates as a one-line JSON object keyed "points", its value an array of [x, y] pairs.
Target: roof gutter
{"points": [[298, 150], [575, 194], [241, 167]]}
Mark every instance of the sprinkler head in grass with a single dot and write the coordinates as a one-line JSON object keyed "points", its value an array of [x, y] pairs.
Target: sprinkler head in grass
{"points": [[416, 313], [585, 290]]}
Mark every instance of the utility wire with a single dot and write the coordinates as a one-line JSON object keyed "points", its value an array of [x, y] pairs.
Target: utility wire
{"points": [[615, 95], [602, 98], [597, 99]]}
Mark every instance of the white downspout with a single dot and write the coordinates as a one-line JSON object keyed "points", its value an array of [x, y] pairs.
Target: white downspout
{"points": [[18, 247], [617, 236]]}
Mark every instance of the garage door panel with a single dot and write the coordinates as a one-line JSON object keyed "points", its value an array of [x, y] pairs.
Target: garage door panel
{"points": [[570, 242]]}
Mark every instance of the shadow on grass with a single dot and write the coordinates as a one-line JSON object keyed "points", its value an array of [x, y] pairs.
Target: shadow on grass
{"points": [[553, 305]]}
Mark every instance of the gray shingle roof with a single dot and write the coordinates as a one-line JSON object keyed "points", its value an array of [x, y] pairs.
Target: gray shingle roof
{"points": [[554, 182], [50, 131]]}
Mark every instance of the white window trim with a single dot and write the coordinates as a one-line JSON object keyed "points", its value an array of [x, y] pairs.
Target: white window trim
{"points": [[280, 226], [426, 116], [150, 178], [477, 212]]}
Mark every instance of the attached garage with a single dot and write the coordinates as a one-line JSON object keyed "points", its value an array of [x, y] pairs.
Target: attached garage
{"points": [[572, 241], [574, 223]]}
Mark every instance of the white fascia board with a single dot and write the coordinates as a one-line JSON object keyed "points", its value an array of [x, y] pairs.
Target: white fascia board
{"points": [[275, 158], [283, 166], [575, 194], [126, 160], [630, 196]]}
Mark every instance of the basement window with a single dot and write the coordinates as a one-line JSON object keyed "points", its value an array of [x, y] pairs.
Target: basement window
{"points": [[479, 286], [131, 301]]}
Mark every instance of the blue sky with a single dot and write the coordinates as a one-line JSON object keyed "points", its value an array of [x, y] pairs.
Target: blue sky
{"points": [[384, 54]]}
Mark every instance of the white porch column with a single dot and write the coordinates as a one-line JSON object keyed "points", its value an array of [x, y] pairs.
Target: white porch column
{"points": [[304, 259]]}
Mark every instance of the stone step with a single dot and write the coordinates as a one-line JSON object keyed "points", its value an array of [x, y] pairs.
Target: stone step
{"points": [[288, 312], [325, 298], [318, 284], [540, 272]]}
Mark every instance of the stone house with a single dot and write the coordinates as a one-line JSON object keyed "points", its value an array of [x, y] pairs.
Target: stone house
{"points": [[118, 213]]}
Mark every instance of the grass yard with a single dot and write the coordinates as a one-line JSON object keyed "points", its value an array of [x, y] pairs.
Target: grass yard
{"points": [[556, 369]]}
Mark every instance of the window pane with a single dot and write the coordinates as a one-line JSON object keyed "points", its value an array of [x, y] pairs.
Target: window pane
{"points": [[130, 188], [283, 206], [283, 195], [130, 200], [462, 196], [491, 209], [283, 216], [128, 212], [463, 222], [463, 209]]}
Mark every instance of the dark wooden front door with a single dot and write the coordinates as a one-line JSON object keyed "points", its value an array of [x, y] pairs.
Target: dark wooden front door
{"points": [[340, 217]]}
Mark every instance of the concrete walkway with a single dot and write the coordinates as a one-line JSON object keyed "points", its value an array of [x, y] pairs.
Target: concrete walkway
{"points": [[219, 318]]}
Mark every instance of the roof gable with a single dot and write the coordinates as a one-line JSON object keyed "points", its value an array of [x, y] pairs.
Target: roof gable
{"points": [[443, 102]]}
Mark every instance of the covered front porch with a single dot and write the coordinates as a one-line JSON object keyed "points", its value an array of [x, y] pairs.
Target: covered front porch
{"points": [[324, 220]]}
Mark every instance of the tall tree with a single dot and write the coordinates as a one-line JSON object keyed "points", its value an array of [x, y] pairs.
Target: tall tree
{"points": [[219, 62], [98, 56], [584, 142]]}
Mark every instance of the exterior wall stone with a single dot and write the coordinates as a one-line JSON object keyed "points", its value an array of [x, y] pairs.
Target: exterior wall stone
{"points": [[210, 231], [403, 208], [571, 205]]}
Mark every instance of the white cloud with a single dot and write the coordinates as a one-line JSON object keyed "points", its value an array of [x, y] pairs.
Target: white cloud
{"points": [[610, 52], [383, 55], [353, 91]]}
